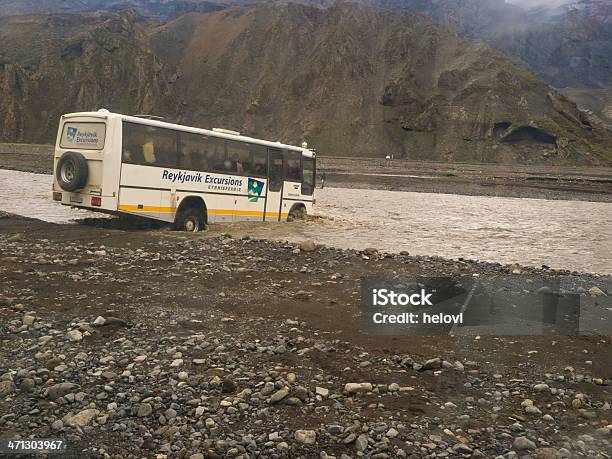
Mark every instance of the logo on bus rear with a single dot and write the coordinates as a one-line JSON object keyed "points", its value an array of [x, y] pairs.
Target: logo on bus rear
{"points": [[71, 134], [255, 189]]}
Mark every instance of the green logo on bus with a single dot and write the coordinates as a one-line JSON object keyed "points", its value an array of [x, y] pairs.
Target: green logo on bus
{"points": [[255, 189]]}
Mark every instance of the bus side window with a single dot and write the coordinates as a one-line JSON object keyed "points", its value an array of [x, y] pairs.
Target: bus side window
{"points": [[275, 170], [133, 138], [164, 147], [239, 157], [149, 145], [258, 163], [292, 166], [218, 156], [194, 151]]}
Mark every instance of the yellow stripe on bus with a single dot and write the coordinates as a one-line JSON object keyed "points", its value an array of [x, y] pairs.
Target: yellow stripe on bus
{"points": [[242, 213]]}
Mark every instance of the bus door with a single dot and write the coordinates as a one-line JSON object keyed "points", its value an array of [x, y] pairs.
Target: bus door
{"points": [[275, 185]]}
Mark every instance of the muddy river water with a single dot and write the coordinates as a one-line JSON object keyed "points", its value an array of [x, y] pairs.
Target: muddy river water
{"points": [[574, 235]]}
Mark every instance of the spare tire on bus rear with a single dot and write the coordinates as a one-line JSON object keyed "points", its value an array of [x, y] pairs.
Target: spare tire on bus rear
{"points": [[71, 171]]}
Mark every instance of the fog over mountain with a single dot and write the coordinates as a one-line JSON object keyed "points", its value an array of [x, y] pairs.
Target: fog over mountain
{"points": [[538, 3]]}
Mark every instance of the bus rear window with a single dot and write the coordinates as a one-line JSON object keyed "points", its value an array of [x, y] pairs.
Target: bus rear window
{"points": [[83, 136]]}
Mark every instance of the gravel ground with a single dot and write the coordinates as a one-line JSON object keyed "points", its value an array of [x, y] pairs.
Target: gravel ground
{"points": [[152, 343]]}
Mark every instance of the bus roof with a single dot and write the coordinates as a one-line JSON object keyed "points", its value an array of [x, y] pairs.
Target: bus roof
{"points": [[102, 113]]}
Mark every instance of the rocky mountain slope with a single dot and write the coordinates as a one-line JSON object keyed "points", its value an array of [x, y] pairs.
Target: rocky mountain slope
{"points": [[349, 79], [567, 43], [152, 8]]}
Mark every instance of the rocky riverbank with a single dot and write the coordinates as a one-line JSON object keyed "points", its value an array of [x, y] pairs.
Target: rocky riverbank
{"points": [[586, 183], [160, 344]]}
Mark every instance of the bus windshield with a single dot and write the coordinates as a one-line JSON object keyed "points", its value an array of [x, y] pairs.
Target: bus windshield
{"points": [[308, 175]]}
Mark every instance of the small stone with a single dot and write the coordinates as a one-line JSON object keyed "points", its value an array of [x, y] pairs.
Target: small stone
{"points": [[278, 395], [74, 336], [460, 448], [6, 388], [59, 390], [176, 363], [335, 429], [307, 246], [322, 391], [57, 425], [307, 437], [144, 410], [531, 409], [393, 387], [99, 321], [27, 385], [541, 387], [361, 443], [353, 388], [228, 386], [432, 364], [547, 453], [596, 291], [82, 418], [28, 320], [522, 444], [392, 433]]}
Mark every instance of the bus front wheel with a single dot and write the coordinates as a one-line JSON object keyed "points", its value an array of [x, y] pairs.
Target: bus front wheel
{"points": [[191, 220]]}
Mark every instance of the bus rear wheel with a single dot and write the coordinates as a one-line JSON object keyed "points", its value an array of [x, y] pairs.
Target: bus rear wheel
{"points": [[297, 213], [191, 220]]}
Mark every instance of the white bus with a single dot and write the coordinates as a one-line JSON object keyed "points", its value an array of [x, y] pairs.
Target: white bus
{"points": [[184, 175]]}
